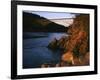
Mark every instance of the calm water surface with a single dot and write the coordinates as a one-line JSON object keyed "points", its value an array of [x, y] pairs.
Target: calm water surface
{"points": [[35, 51]]}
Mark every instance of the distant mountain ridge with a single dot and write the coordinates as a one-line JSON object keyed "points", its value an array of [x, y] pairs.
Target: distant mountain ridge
{"points": [[36, 23]]}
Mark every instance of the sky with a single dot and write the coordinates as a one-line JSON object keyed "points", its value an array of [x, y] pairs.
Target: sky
{"points": [[53, 15]]}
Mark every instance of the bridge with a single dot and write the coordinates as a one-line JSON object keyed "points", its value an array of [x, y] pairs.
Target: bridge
{"points": [[63, 21]]}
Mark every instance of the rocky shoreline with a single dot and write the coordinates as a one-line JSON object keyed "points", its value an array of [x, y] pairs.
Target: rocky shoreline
{"points": [[76, 46]]}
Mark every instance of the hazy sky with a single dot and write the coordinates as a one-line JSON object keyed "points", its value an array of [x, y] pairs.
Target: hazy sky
{"points": [[53, 15]]}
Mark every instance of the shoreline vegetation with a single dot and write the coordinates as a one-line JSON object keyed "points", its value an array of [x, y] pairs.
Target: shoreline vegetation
{"points": [[75, 47]]}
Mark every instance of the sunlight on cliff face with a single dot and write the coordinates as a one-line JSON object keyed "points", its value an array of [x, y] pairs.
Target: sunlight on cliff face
{"points": [[75, 46], [65, 22]]}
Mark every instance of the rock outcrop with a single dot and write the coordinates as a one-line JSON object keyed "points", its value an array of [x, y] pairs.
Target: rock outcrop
{"points": [[53, 45], [76, 45]]}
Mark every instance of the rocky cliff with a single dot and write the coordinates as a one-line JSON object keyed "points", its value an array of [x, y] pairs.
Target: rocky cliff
{"points": [[76, 45]]}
